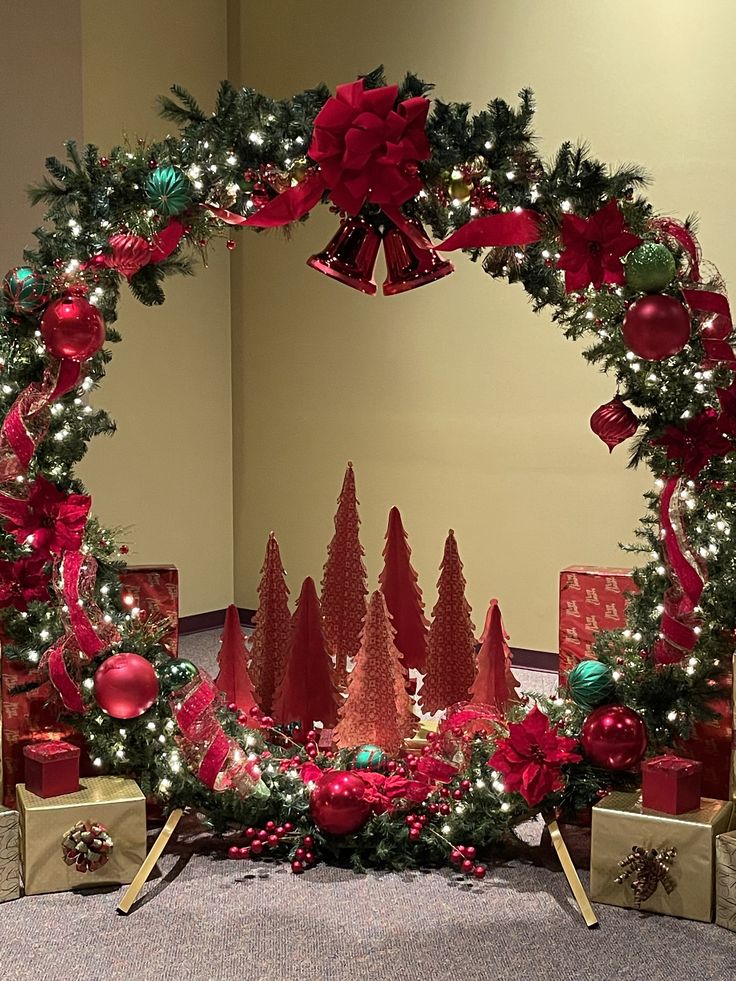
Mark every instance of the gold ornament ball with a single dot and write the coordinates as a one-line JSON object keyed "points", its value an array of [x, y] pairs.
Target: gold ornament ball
{"points": [[459, 190]]}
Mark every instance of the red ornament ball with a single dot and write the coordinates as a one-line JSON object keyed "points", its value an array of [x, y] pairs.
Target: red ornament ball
{"points": [[126, 686], [614, 737], [72, 328], [338, 805], [614, 422], [656, 327]]}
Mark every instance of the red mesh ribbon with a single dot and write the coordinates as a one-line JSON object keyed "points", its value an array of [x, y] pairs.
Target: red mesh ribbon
{"points": [[669, 228], [86, 633], [678, 635], [218, 760], [28, 419], [717, 324]]}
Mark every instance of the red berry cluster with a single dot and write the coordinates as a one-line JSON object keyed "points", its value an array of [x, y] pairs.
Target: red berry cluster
{"points": [[261, 840], [464, 858], [415, 823], [304, 856]]}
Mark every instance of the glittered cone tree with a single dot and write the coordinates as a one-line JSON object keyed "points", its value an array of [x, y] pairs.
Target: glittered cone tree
{"points": [[451, 643], [233, 679], [378, 709], [344, 583], [400, 587], [272, 627], [307, 692], [495, 683]]}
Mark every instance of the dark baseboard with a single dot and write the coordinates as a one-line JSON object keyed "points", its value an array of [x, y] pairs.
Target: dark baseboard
{"points": [[214, 619]]}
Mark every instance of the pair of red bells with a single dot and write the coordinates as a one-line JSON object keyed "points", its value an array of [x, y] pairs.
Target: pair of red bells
{"points": [[350, 258]]}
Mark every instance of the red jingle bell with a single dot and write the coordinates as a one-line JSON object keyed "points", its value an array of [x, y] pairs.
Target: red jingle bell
{"points": [[614, 737], [72, 328], [350, 255], [338, 804], [409, 266], [614, 422], [126, 686], [656, 327]]}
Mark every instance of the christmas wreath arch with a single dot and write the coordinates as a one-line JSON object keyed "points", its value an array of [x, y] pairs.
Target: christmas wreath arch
{"points": [[424, 179]]}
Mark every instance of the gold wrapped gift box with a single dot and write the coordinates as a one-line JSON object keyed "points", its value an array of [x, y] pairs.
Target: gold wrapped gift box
{"points": [[114, 802], [620, 823], [726, 881], [9, 858]]}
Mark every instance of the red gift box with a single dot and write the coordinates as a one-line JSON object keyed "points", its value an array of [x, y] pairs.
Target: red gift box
{"points": [[154, 589], [671, 784], [592, 599], [51, 768]]}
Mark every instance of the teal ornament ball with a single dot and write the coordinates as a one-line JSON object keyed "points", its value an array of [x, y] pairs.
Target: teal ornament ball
{"points": [[176, 674], [169, 191], [590, 684], [26, 290], [368, 758], [650, 268]]}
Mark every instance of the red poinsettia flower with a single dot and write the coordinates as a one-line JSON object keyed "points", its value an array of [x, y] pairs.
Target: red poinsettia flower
{"points": [[47, 519], [23, 581], [368, 147], [531, 757], [594, 247], [698, 441]]}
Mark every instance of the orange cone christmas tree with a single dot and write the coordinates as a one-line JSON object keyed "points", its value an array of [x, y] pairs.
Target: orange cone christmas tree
{"points": [[451, 643], [233, 679], [272, 627], [307, 692], [378, 709], [495, 683], [403, 596], [344, 586]]}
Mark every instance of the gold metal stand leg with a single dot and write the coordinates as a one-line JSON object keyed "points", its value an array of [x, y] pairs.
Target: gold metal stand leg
{"points": [[133, 890], [573, 879]]}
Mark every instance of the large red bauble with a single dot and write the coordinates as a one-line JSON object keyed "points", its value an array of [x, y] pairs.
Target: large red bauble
{"points": [[614, 737], [72, 328], [126, 686], [338, 805], [656, 327]]}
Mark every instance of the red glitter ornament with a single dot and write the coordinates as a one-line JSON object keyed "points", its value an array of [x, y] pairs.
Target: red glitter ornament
{"points": [[614, 422], [338, 803], [72, 328]]}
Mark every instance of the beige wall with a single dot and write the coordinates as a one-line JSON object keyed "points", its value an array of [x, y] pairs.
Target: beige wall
{"points": [[168, 472], [454, 401]]}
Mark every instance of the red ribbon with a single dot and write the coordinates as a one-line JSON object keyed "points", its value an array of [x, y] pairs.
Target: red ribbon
{"points": [[386, 793], [677, 231], [715, 332], [219, 760], [86, 633], [673, 764], [28, 419], [678, 635]]}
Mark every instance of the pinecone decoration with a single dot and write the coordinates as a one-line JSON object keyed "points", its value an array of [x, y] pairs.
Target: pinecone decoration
{"points": [[87, 846], [648, 869]]}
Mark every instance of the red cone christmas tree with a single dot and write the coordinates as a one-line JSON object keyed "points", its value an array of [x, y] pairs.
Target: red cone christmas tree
{"points": [[378, 709], [344, 586], [272, 627], [451, 644], [233, 679], [307, 692], [403, 596], [495, 683]]}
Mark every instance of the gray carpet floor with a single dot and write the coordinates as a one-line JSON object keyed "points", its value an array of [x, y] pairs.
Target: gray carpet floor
{"points": [[210, 919]]}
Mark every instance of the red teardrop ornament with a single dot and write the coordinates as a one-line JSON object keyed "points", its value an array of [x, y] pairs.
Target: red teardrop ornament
{"points": [[614, 422]]}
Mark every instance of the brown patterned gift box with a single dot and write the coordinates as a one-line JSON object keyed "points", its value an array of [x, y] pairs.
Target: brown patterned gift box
{"points": [[9, 856], [114, 803], [621, 825], [592, 598], [155, 590], [726, 880]]}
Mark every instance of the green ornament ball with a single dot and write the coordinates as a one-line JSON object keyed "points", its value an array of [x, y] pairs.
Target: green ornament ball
{"points": [[590, 684], [26, 290], [169, 191], [650, 267], [368, 758], [177, 674]]}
